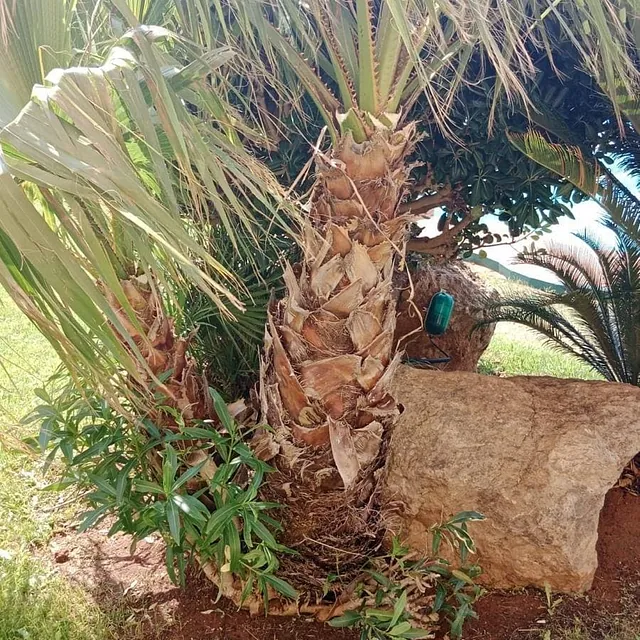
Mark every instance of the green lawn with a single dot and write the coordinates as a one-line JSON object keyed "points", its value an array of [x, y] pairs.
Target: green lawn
{"points": [[35, 603], [516, 350]]}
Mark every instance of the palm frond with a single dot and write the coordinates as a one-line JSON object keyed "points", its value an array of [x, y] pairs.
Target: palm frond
{"points": [[228, 352], [567, 161], [35, 38], [591, 272], [124, 180], [555, 328], [379, 57], [623, 210], [622, 206], [597, 316]]}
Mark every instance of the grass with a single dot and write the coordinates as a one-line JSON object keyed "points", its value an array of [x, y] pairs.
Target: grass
{"points": [[35, 603], [518, 351]]}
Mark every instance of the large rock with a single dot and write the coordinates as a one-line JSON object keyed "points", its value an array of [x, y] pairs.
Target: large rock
{"points": [[470, 293], [536, 456]]}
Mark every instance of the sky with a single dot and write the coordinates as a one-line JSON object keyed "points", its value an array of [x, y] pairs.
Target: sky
{"points": [[587, 215]]}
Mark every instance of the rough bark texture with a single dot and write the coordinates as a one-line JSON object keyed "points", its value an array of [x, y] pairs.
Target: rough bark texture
{"points": [[536, 456], [185, 389], [329, 352], [471, 295], [328, 355]]}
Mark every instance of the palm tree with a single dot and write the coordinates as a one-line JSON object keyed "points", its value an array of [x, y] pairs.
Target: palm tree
{"points": [[128, 165], [329, 358], [118, 187]]}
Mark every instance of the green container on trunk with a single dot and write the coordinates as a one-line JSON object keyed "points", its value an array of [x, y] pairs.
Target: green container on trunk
{"points": [[439, 313]]}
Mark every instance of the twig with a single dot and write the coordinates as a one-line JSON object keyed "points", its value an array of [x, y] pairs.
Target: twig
{"points": [[303, 172], [427, 203], [328, 546], [432, 244]]}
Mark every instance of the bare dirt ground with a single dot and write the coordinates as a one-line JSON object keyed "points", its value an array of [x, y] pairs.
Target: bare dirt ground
{"points": [[137, 584]]}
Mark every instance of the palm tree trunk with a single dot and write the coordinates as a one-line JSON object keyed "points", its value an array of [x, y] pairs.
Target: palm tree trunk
{"points": [[183, 388], [329, 355]]}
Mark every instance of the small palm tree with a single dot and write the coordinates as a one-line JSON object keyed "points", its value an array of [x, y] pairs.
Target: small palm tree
{"points": [[131, 210], [597, 317], [136, 158], [329, 357]]}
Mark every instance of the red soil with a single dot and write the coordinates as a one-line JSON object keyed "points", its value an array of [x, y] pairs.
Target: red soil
{"points": [[117, 578], [516, 615], [106, 567]]}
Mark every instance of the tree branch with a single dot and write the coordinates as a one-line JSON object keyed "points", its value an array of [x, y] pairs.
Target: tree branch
{"points": [[444, 244], [427, 203]]}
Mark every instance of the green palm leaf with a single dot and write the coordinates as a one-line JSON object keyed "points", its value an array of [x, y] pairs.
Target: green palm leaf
{"points": [[379, 57], [123, 180], [567, 161]]}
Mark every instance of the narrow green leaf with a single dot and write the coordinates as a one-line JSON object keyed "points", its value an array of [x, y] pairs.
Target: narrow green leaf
{"points": [[367, 85], [169, 468], [144, 486], [461, 575], [347, 619], [390, 47], [173, 518], [399, 630], [441, 595], [398, 608], [417, 633], [466, 516], [186, 476], [282, 586]]}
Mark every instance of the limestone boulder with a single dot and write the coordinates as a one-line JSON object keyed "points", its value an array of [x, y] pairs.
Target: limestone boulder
{"points": [[470, 293], [535, 455]]}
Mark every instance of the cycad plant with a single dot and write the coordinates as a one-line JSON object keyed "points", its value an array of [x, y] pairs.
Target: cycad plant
{"points": [[597, 316]]}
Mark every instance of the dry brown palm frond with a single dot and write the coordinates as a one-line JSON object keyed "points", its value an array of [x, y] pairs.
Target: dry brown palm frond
{"points": [[7, 7]]}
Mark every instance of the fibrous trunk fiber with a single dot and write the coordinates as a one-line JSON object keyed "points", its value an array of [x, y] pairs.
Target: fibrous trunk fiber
{"points": [[184, 388], [329, 355]]}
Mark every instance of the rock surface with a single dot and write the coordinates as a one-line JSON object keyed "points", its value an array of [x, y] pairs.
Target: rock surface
{"points": [[470, 294], [536, 456]]}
